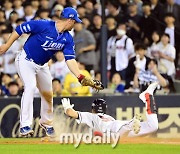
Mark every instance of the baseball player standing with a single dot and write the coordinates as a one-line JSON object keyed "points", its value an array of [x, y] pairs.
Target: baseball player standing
{"points": [[46, 38]]}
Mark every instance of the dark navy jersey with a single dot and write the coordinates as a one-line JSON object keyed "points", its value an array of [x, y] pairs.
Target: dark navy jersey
{"points": [[45, 40]]}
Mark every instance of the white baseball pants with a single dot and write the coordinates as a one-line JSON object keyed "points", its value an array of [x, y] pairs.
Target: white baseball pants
{"points": [[147, 127], [33, 76]]}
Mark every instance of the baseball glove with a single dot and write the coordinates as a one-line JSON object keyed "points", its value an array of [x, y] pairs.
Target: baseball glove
{"points": [[86, 81]]}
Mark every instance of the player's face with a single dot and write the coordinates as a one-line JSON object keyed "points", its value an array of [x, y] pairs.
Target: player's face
{"points": [[70, 24]]}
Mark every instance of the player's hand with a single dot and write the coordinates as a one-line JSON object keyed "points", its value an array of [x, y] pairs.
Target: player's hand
{"points": [[3, 48], [86, 81], [66, 104]]}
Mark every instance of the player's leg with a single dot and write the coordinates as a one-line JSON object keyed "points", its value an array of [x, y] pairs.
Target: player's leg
{"points": [[26, 71], [125, 127], [44, 82], [151, 125]]}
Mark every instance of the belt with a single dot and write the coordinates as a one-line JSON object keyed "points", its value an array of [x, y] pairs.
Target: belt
{"points": [[28, 58], [31, 60]]}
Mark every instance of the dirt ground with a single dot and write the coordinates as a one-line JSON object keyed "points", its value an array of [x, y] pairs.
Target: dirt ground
{"points": [[46, 140]]}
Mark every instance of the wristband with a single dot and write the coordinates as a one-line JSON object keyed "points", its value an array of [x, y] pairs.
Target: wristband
{"points": [[80, 77]]}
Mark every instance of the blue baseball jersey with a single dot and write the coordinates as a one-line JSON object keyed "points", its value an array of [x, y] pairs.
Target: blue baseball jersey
{"points": [[45, 40]]}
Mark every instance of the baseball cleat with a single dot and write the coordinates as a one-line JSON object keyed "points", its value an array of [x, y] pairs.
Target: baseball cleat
{"points": [[148, 98], [136, 124], [149, 90], [49, 130], [25, 131]]}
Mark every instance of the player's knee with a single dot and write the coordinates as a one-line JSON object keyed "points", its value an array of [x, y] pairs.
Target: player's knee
{"points": [[48, 95]]}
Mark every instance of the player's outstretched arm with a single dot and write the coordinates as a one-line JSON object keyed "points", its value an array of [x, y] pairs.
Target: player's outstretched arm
{"points": [[72, 113], [85, 81], [14, 36], [68, 108], [73, 67]]}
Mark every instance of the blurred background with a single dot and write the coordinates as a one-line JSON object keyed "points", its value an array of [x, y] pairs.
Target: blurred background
{"points": [[142, 45]]}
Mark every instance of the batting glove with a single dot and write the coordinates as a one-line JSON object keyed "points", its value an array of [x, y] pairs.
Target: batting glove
{"points": [[66, 104]]}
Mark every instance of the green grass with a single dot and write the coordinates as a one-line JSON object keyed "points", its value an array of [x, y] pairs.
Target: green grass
{"points": [[20, 148]]}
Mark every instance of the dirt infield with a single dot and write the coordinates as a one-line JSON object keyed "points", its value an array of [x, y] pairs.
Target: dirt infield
{"points": [[141, 140]]}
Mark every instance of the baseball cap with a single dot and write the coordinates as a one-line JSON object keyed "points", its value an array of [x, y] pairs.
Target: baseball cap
{"points": [[70, 13]]}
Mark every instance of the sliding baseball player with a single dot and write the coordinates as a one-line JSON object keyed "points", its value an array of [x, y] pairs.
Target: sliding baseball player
{"points": [[99, 121]]}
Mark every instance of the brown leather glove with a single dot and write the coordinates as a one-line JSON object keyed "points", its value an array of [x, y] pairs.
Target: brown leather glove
{"points": [[86, 81]]}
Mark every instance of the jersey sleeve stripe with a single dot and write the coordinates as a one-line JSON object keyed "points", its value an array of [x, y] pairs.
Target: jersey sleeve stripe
{"points": [[69, 55], [21, 29], [24, 28], [29, 28]]}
